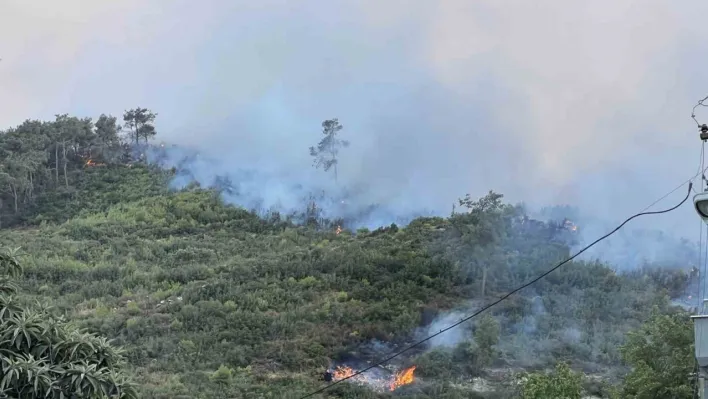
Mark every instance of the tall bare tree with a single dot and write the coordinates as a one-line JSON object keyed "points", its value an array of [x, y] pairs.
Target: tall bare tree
{"points": [[327, 151]]}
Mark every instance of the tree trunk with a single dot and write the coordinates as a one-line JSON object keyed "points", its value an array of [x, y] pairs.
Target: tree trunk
{"points": [[31, 187], [56, 163], [66, 178], [14, 196], [332, 152], [484, 280]]}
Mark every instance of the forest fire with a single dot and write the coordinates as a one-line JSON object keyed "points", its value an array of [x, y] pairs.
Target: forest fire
{"points": [[569, 225], [375, 380], [401, 378], [342, 372], [91, 162], [339, 230]]}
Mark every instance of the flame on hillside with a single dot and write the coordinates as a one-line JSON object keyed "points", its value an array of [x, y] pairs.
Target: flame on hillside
{"points": [[342, 372], [339, 230], [91, 162], [568, 224], [399, 379]]}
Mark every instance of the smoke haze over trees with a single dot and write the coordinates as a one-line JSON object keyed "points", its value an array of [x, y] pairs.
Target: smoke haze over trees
{"points": [[519, 109], [208, 246], [166, 262]]}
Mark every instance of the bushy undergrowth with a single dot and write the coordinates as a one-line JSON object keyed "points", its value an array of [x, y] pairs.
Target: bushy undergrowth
{"points": [[212, 301]]}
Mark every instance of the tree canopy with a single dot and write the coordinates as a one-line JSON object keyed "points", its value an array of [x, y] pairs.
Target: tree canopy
{"points": [[562, 383], [139, 122], [661, 354], [44, 157]]}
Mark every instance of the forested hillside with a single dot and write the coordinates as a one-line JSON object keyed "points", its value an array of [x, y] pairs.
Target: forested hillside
{"points": [[209, 300]]}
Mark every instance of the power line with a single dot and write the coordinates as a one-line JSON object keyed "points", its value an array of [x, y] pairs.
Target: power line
{"points": [[393, 356], [701, 172], [690, 181], [693, 111]]}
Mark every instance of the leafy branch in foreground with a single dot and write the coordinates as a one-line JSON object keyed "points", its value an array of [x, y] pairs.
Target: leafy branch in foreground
{"points": [[42, 356], [562, 383], [661, 354]]}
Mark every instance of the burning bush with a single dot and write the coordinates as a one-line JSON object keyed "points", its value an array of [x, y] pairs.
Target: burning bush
{"points": [[376, 378]]}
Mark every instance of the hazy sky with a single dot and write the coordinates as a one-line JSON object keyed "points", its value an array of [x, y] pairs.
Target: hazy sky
{"points": [[545, 101]]}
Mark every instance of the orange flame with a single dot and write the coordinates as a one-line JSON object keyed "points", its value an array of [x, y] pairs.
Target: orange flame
{"points": [[404, 377], [339, 230], [91, 162], [342, 372]]}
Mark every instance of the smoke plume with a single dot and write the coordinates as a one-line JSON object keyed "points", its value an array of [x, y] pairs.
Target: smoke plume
{"points": [[549, 103]]}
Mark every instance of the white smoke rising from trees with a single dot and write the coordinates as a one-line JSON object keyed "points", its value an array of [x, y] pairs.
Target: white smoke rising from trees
{"points": [[546, 102]]}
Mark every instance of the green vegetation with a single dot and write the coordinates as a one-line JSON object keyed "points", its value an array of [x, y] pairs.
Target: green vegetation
{"points": [[661, 354], [563, 383], [44, 357], [208, 300]]}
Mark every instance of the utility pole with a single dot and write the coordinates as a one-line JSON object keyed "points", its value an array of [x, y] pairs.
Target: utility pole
{"points": [[700, 321], [700, 328]]}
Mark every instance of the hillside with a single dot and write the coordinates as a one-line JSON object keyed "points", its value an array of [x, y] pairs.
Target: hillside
{"points": [[187, 284], [212, 301]]}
